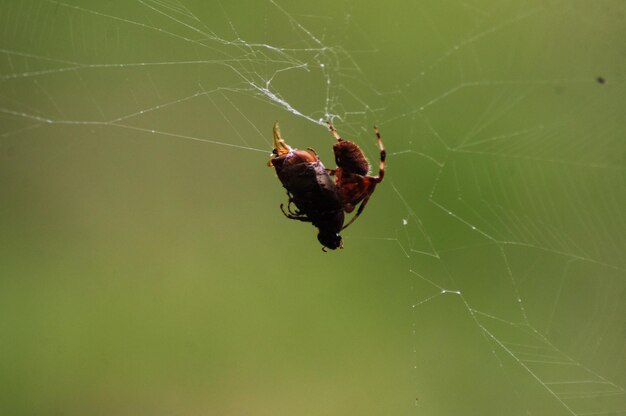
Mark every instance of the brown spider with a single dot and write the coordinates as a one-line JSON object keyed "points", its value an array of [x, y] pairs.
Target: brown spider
{"points": [[351, 175], [317, 198]]}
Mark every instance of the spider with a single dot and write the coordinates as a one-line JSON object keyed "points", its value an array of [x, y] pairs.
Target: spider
{"points": [[317, 198]]}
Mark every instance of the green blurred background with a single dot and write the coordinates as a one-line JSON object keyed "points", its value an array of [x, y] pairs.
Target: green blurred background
{"points": [[145, 267]]}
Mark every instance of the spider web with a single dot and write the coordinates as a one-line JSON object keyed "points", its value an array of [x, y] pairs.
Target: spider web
{"points": [[486, 276]]}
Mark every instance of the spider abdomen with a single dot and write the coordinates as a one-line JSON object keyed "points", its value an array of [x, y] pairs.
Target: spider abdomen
{"points": [[350, 158]]}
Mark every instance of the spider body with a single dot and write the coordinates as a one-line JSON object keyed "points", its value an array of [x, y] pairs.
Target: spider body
{"points": [[354, 184], [318, 198]]}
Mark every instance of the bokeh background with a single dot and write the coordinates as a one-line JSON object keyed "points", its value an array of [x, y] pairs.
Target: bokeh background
{"points": [[145, 267]]}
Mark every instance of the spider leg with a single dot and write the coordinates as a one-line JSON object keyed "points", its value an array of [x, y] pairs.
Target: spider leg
{"points": [[359, 211], [383, 156], [333, 131]]}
